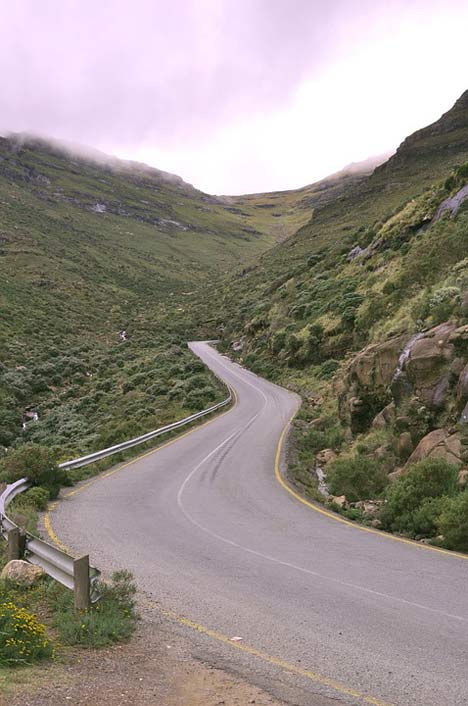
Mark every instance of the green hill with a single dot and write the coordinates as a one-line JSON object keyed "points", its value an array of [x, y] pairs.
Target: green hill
{"points": [[90, 246]]}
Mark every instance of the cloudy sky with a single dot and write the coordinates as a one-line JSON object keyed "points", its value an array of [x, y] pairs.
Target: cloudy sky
{"points": [[234, 95]]}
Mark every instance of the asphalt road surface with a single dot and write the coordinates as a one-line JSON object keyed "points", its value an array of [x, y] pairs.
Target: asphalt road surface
{"points": [[327, 613]]}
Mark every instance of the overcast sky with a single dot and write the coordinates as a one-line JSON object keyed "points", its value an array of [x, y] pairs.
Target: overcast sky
{"points": [[235, 96]]}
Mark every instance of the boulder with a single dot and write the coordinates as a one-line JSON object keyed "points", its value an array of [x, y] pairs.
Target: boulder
{"points": [[238, 346], [385, 417], [325, 456], [462, 387], [428, 364], [394, 475], [438, 444], [402, 423], [21, 572], [374, 367], [462, 476], [459, 339], [404, 445], [339, 500]]}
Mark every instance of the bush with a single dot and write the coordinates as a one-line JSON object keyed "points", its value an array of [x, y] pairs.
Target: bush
{"points": [[37, 497], [22, 638], [425, 519], [38, 464], [407, 508], [453, 522], [314, 440], [328, 369], [357, 477]]}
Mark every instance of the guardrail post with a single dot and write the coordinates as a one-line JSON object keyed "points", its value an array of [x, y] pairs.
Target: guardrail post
{"points": [[81, 581], [14, 544]]}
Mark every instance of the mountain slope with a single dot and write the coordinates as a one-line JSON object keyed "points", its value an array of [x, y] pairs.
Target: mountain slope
{"points": [[90, 246], [364, 312], [355, 216]]}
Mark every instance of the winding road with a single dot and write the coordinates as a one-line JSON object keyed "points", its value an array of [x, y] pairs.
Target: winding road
{"points": [[327, 613]]}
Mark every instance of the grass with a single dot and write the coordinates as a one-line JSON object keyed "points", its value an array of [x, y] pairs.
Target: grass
{"points": [[111, 620]]}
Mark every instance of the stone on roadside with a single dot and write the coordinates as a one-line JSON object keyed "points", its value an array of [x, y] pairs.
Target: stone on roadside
{"points": [[19, 571], [339, 500]]}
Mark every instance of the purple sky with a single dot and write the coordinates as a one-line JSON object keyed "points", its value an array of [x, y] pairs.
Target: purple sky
{"points": [[233, 95]]}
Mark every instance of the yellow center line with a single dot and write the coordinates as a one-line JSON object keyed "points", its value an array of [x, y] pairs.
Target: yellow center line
{"points": [[276, 661]]}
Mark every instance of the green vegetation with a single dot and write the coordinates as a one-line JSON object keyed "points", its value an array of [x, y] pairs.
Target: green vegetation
{"points": [[453, 522], [415, 501], [357, 477], [39, 465], [321, 288], [110, 620], [26, 638], [89, 249]]}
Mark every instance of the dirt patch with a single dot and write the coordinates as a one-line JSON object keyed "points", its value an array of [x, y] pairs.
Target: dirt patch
{"points": [[155, 669]]}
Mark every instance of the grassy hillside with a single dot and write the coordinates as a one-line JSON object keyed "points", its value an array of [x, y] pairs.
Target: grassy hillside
{"points": [[89, 247], [393, 204], [283, 213]]}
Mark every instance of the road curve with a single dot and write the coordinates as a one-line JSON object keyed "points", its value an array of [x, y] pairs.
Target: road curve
{"points": [[327, 613]]}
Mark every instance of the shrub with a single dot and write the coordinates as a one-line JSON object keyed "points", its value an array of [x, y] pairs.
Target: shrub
{"points": [[357, 477], [425, 518], [453, 522], [330, 438], [37, 497], [407, 508], [22, 638], [328, 369], [278, 341], [38, 464]]}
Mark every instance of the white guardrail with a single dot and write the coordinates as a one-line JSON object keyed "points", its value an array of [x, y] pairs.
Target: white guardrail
{"points": [[75, 574]]}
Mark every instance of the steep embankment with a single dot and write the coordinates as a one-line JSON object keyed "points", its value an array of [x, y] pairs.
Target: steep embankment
{"points": [[364, 311]]}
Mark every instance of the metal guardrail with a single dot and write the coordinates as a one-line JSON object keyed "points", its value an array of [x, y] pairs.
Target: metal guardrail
{"points": [[97, 455], [75, 574]]}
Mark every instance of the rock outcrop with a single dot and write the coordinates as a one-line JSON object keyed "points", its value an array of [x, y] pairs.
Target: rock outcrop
{"points": [[431, 368], [417, 389], [439, 443]]}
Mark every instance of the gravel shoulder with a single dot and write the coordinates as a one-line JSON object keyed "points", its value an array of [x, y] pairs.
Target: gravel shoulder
{"points": [[156, 668]]}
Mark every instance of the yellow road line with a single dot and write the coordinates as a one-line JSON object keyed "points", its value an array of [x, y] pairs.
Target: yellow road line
{"points": [[276, 661], [343, 520]]}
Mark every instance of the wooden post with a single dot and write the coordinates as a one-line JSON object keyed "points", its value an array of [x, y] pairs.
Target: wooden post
{"points": [[81, 580], [14, 544]]}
